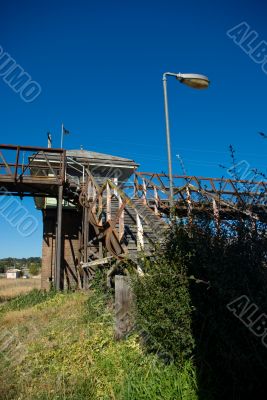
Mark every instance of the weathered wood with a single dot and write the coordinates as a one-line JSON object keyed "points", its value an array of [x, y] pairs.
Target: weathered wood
{"points": [[97, 262], [108, 203], [59, 268], [189, 204], [94, 198], [216, 213], [123, 307], [140, 233], [144, 192], [121, 221], [156, 197], [115, 181]]}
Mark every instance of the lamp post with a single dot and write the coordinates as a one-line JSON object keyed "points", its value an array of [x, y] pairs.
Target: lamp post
{"points": [[195, 81]]}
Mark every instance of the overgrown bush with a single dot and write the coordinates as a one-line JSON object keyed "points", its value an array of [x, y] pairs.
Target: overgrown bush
{"points": [[181, 304], [163, 308], [230, 358]]}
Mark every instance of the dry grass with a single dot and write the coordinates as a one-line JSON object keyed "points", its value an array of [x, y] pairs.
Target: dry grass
{"points": [[63, 348], [10, 288]]}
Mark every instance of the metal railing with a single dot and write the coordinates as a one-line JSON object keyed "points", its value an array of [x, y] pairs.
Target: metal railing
{"points": [[29, 164]]}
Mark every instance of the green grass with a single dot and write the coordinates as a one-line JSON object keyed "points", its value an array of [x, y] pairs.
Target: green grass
{"points": [[67, 351], [26, 300]]}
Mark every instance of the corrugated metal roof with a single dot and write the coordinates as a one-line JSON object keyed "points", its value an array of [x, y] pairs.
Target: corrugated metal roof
{"points": [[92, 155]]}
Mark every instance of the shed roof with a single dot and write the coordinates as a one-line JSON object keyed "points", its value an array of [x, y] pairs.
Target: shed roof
{"points": [[93, 156], [13, 270]]}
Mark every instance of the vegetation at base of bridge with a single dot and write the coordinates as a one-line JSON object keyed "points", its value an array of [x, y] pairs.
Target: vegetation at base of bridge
{"points": [[186, 343], [62, 347], [181, 305]]}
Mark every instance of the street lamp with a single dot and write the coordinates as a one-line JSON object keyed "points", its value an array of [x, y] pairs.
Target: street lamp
{"points": [[195, 81]]}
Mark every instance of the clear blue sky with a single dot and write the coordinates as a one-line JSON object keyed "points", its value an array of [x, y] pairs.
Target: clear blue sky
{"points": [[100, 66]]}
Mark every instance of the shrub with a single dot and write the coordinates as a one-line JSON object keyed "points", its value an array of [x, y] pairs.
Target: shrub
{"points": [[181, 304], [224, 265], [163, 308], [34, 268]]}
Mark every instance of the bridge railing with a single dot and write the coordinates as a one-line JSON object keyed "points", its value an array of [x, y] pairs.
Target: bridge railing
{"points": [[224, 198], [31, 164], [152, 185]]}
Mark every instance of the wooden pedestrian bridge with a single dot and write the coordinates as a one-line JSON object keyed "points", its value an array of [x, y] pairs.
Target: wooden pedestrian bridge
{"points": [[99, 210]]}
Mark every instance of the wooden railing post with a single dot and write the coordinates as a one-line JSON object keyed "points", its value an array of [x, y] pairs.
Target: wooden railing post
{"points": [[108, 202], [121, 220], [156, 199], [140, 233], [144, 192], [17, 164], [216, 214]]}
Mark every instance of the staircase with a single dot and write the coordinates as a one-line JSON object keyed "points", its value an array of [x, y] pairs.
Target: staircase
{"points": [[128, 228], [153, 228], [152, 221]]}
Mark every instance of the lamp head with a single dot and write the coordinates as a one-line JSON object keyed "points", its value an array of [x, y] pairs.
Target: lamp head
{"points": [[195, 81]]}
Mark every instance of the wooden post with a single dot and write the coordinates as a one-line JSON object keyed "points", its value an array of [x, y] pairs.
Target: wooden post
{"points": [[115, 180], [59, 278], [135, 186], [156, 199], [216, 213], [140, 233], [144, 192], [90, 192], [85, 245], [189, 205], [108, 202], [121, 221], [94, 197], [123, 307]]}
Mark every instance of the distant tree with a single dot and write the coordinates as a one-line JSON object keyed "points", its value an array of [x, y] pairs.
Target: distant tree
{"points": [[34, 268], [19, 263]]}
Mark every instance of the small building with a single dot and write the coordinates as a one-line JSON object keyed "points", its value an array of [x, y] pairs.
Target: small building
{"points": [[13, 273]]}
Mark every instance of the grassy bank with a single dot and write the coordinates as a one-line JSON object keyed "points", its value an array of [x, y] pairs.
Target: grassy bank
{"points": [[61, 346]]}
